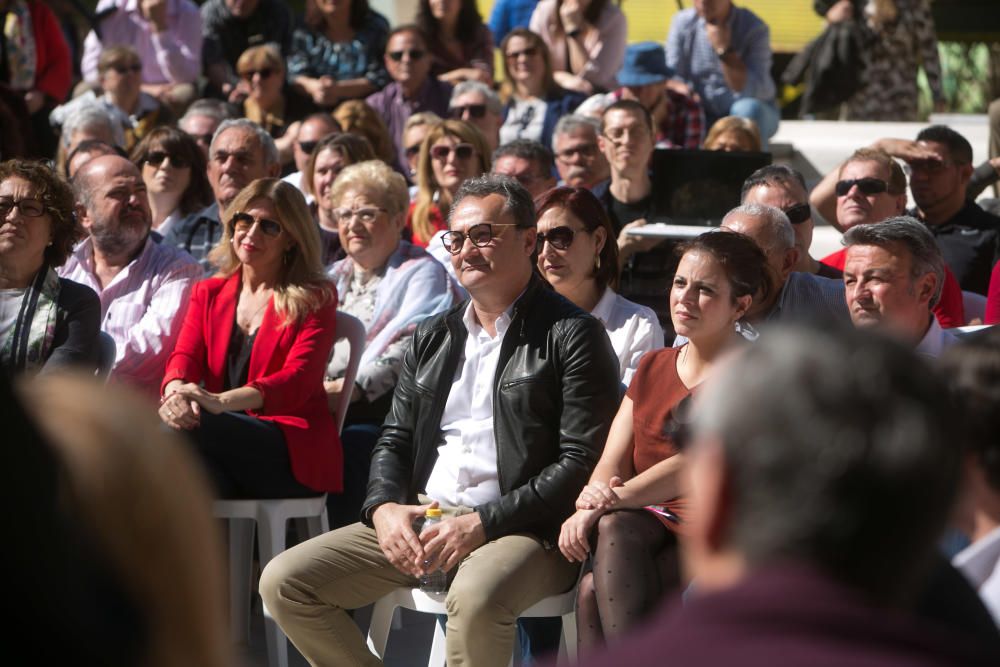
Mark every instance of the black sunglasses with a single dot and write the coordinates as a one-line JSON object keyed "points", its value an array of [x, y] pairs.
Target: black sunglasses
{"points": [[475, 111], [308, 146], [125, 69], [868, 186], [530, 52], [559, 238], [156, 158], [461, 151], [243, 222], [798, 214], [415, 54], [265, 73]]}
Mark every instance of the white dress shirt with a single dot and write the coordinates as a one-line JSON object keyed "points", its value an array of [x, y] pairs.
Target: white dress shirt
{"points": [[465, 472], [142, 308], [633, 329], [980, 563], [936, 340]]}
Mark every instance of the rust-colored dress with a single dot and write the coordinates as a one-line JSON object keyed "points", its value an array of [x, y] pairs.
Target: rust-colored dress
{"points": [[656, 390]]}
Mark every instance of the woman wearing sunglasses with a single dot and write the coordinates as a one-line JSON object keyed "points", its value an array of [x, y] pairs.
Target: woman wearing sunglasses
{"points": [[452, 152], [535, 103], [630, 512], [246, 377], [391, 286], [267, 99], [337, 53], [173, 169], [578, 256]]}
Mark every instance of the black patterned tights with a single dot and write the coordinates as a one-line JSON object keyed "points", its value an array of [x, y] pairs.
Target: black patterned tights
{"points": [[634, 564]]}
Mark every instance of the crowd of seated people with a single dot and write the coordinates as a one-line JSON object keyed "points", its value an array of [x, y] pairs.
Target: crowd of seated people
{"points": [[497, 241]]}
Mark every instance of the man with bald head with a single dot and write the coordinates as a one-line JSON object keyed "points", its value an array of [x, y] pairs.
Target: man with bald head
{"points": [[143, 285], [241, 153], [793, 295]]}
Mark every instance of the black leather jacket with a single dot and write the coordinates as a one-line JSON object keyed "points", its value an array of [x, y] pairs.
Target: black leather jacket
{"points": [[555, 394]]}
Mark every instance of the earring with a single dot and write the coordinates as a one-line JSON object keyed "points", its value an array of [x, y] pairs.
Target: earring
{"points": [[597, 263]]}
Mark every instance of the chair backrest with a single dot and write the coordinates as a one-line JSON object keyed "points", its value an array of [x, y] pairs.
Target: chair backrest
{"points": [[349, 327], [974, 305], [106, 352]]}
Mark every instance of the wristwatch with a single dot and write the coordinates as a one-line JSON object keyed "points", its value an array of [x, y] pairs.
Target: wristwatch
{"points": [[723, 51]]}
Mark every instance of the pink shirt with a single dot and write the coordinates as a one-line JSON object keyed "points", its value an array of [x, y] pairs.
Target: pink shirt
{"points": [[172, 56], [606, 46], [142, 308]]}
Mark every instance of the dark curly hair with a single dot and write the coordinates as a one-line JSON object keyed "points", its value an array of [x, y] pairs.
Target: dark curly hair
{"points": [[741, 258], [57, 196]]}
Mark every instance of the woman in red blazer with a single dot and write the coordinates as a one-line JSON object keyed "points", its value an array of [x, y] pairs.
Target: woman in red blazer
{"points": [[246, 376]]}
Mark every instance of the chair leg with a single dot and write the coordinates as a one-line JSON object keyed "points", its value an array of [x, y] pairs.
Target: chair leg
{"points": [[318, 525], [378, 628], [241, 533], [271, 540], [439, 654], [567, 644]]}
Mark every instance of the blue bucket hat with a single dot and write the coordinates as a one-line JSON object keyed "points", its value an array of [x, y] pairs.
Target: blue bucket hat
{"points": [[645, 63]]}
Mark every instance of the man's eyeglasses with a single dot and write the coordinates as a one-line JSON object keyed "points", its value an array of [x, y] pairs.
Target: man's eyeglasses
{"points": [[529, 52], [479, 235], [244, 222], [867, 186], [156, 158], [559, 238], [585, 151], [415, 54], [125, 69], [798, 214], [264, 72], [461, 151], [308, 147], [29, 208], [365, 215], [474, 110]]}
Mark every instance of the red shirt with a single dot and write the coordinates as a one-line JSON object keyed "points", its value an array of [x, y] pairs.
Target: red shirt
{"points": [[949, 310], [434, 217]]}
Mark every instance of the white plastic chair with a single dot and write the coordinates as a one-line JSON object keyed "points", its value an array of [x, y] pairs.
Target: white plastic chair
{"points": [[974, 305], [415, 599], [270, 517]]}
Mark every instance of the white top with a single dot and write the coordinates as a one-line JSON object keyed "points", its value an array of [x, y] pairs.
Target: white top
{"points": [[980, 563], [936, 340], [10, 308], [435, 248], [634, 330], [169, 222], [142, 308], [295, 178], [466, 469], [525, 120]]}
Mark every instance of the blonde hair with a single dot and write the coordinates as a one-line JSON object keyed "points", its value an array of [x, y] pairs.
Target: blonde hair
{"points": [[114, 55], [421, 118], [302, 286], [741, 126], [138, 491], [376, 178], [358, 118], [535, 41], [427, 186], [267, 55]]}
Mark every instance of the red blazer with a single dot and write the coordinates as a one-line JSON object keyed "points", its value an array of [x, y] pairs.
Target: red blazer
{"points": [[286, 366]]}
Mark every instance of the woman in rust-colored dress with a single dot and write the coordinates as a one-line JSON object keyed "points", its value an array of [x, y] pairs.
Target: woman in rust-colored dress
{"points": [[629, 513]]}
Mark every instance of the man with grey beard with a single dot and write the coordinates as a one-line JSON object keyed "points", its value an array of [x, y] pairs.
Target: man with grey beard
{"points": [[143, 286]]}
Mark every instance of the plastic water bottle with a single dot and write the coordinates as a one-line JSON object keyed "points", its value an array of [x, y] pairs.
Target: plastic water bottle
{"points": [[437, 581]]}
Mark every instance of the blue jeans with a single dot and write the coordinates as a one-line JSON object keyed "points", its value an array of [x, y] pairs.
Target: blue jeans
{"points": [[765, 114]]}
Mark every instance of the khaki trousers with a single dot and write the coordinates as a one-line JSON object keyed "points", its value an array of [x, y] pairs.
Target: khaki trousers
{"points": [[308, 589]]}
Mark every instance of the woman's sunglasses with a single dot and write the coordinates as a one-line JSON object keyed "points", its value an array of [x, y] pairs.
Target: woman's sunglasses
{"points": [[415, 54], [243, 222], [156, 158], [529, 52], [867, 186], [461, 151], [559, 238], [264, 72]]}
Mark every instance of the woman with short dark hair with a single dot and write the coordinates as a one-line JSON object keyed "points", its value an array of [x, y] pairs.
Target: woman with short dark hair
{"points": [[46, 322], [173, 169]]}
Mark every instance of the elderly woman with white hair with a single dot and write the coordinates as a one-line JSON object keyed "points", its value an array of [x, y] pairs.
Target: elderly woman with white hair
{"points": [[391, 286]]}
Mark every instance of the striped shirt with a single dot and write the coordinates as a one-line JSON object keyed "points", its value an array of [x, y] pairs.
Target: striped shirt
{"points": [[142, 308]]}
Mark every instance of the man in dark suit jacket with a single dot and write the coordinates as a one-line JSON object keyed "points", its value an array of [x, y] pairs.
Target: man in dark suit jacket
{"points": [[819, 505]]}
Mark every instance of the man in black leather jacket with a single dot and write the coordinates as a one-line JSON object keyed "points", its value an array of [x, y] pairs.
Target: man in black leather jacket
{"points": [[500, 414]]}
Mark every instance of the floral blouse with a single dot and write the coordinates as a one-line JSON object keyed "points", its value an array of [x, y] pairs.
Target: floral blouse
{"points": [[314, 55]]}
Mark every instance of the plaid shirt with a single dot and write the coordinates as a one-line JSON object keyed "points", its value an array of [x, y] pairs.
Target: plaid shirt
{"points": [[684, 124]]}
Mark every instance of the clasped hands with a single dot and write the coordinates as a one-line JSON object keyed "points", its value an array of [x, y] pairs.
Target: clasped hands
{"points": [[442, 546], [183, 402], [596, 499]]}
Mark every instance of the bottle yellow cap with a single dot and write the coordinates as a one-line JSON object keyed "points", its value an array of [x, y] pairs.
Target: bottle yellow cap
{"points": [[433, 513]]}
